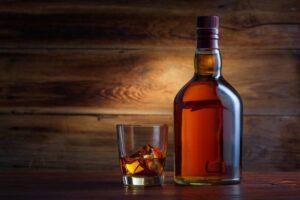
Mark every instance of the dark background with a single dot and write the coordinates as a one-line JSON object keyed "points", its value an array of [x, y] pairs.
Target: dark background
{"points": [[71, 70]]}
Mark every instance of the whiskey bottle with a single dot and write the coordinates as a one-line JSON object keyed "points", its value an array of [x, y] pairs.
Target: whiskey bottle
{"points": [[207, 118]]}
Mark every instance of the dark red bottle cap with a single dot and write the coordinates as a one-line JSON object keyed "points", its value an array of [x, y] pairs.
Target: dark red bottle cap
{"points": [[207, 32], [208, 22]]}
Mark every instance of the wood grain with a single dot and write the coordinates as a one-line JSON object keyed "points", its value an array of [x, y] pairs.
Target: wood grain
{"points": [[136, 79], [64, 142], [189, 6], [69, 71], [168, 24], [271, 143], [97, 185], [89, 142]]}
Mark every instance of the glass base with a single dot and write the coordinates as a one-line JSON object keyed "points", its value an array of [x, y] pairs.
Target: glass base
{"points": [[205, 180], [143, 180]]}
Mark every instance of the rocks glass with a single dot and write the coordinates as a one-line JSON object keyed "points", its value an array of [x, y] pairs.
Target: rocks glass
{"points": [[142, 153]]}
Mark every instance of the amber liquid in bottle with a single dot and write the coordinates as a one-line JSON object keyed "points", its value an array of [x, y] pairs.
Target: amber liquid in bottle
{"points": [[207, 121]]}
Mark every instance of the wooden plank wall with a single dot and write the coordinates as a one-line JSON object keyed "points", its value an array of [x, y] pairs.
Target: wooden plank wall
{"points": [[71, 70]]}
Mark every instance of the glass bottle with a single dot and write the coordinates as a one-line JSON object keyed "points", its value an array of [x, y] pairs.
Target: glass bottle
{"points": [[208, 115]]}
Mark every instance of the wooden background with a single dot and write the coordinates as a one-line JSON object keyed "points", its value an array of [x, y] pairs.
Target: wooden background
{"points": [[71, 70]]}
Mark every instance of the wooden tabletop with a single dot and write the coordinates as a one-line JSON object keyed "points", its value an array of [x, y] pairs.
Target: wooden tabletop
{"points": [[108, 185]]}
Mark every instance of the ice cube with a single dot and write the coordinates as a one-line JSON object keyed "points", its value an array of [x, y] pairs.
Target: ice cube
{"points": [[134, 167], [145, 150], [157, 153], [154, 165], [148, 156], [148, 160]]}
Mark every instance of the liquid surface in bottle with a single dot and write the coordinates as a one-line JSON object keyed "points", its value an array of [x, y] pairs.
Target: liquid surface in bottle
{"points": [[199, 131]]}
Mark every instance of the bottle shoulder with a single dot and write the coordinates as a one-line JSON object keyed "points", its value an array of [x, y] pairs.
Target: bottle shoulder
{"points": [[227, 89], [182, 91], [207, 89], [197, 89]]}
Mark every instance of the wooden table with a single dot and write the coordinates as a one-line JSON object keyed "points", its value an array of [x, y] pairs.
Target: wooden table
{"points": [[107, 185]]}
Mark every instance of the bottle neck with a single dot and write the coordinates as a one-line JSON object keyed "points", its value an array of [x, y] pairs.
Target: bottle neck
{"points": [[207, 63]]}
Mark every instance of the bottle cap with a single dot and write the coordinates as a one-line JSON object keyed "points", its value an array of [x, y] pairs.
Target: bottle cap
{"points": [[208, 22], [207, 32]]}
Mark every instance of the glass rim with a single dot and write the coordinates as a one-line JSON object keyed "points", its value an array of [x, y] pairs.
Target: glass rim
{"points": [[143, 125]]}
